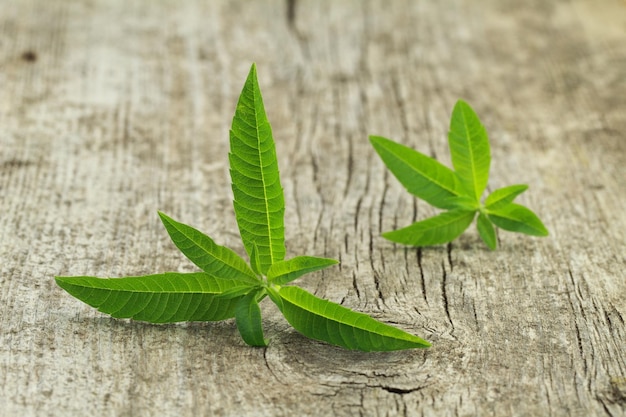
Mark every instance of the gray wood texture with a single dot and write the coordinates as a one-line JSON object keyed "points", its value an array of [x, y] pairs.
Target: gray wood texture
{"points": [[110, 110]]}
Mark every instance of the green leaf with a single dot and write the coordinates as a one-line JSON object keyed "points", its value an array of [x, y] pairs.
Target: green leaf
{"points": [[469, 149], [259, 202], [255, 262], [421, 175], [436, 230], [207, 255], [324, 320], [463, 202], [517, 218], [504, 196], [237, 292], [159, 298], [248, 318], [486, 231], [286, 271]]}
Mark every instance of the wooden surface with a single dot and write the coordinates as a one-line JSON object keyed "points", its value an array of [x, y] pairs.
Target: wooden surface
{"points": [[110, 110]]}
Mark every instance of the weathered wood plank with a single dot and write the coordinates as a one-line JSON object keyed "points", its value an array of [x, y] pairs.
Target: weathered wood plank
{"points": [[110, 111]]}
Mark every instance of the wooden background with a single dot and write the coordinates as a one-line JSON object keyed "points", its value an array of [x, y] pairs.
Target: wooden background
{"points": [[110, 110]]}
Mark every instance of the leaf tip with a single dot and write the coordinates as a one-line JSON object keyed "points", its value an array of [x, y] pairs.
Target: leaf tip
{"points": [[64, 282], [392, 236], [376, 140], [465, 109], [543, 230], [378, 143], [464, 106], [165, 219], [252, 72]]}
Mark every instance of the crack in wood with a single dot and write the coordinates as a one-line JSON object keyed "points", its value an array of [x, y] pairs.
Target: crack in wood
{"points": [[381, 206], [357, 211], [269, 367], [422, 278], [579, 339], [399, 101], [291, 13], [400, 391], [449, 250], [349, 168], [444, 294], [355, 285], [378, 288]]}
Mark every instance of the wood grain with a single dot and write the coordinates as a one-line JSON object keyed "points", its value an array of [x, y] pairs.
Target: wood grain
{"points": [[111, 110]]}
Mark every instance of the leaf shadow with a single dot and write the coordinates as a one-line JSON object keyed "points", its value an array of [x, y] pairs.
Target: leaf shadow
{"points": [[297, 346], [225, 330]]}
